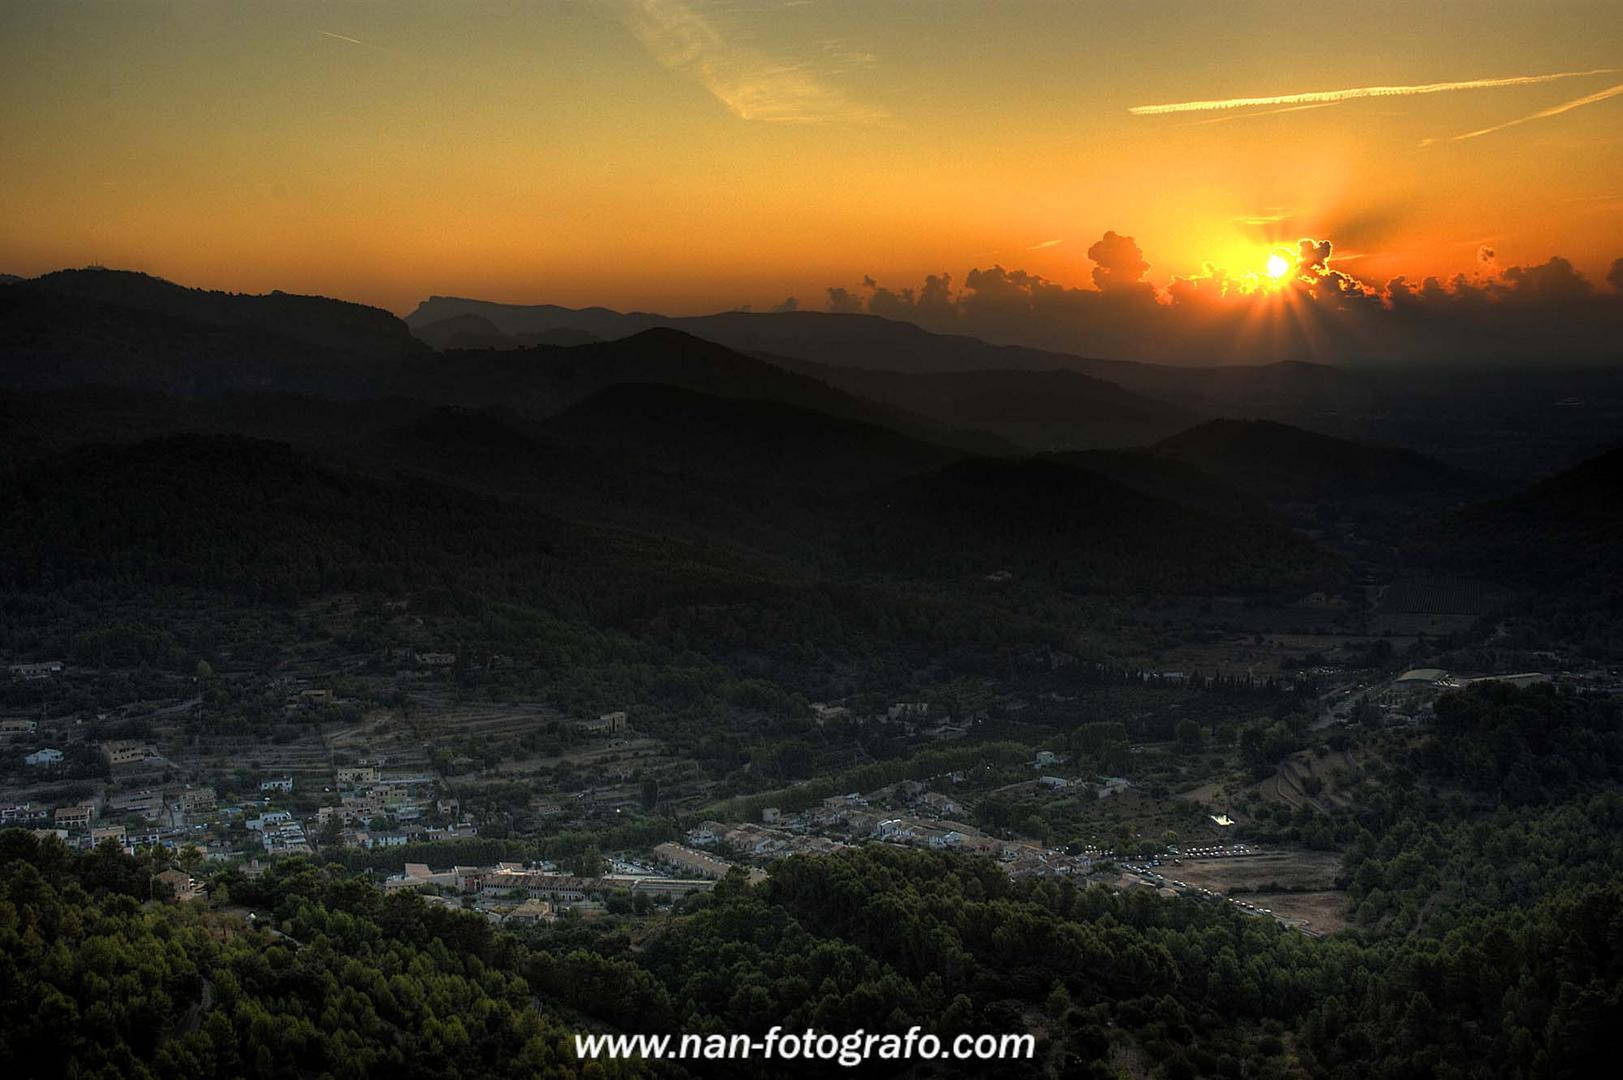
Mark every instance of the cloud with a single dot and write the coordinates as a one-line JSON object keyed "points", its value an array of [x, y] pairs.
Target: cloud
{"points": [[1544, 114], [692, 38], [1331, 97], [789, 304], [1121, 263], [843, 301], [1045, 244]]}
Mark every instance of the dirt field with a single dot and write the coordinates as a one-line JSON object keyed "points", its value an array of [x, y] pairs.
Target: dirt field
{"points": [[1285, 868], [1314, 912]]}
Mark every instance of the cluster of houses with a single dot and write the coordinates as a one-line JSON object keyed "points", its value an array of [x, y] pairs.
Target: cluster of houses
{"points": [[514, 892]]}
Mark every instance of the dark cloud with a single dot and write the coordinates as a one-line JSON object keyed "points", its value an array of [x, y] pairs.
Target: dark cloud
{"points": [[843, 301], [1121, 263], [789, 304]]}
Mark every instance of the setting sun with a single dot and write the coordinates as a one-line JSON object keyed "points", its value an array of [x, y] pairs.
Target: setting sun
{"points": [[1278, 266]]}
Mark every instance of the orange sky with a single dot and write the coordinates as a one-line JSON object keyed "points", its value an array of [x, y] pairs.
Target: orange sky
{"points": [[695, 156]]}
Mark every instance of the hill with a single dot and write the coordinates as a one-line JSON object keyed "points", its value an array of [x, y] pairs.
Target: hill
{"points": [[545, 380], [1564, 534], [675, 429], [1285, 464], [1167, 478], [1078, 531], [1289, 390], [313, 320], [471, 331], [1042, 410]]}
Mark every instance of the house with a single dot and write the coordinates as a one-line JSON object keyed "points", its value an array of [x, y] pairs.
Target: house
{"points": [[126, 751], [75, 817], [940, 805], [18, 726], [904, 710], [148, 803], [18, 813], [267, 819], [358, 774], [107, 832], [825, 711], [696, 862], [316, 696], [531, 911], [197, 800], [436, 659], [284, 783], [46, 756], [182, 886], [705, 834], [612, 723]]}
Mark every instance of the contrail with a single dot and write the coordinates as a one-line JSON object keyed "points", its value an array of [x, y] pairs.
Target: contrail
{"points": [[1555, 110], [1332, 96], [352, 41], [1265, 112]]}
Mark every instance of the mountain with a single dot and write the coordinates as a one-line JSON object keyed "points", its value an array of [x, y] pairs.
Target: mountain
{"points": [[1077, 531], [1564, 534], [677, 430], [313, 320], [517, 319], [1042, 410], [113, 328], [472, 331], [55, 339], [1285, 464], [545, 380], [1167, 478], [1286, 390]]}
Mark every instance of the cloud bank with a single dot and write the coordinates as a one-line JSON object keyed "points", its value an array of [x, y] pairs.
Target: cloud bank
{"points": [[1547, 313]]}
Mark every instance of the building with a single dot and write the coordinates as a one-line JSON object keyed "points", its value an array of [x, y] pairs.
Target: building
{"points": [[612, 723], [284, 783], [42, 670], [358, 774], [906, 710], [21, 813], [107, 832], [436, 659], [268, 819], [695, 862], [75, 817], [1521, 680], [197, 800], [182, 886], [46, 756], [18, 726], [127, 752], [148, 803]]}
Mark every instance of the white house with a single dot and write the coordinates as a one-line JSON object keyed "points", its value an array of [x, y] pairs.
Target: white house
{"points": [[46, 756], [284, 783]]}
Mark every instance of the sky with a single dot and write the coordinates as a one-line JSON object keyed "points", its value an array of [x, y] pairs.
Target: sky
{"points": [[695, 155]]}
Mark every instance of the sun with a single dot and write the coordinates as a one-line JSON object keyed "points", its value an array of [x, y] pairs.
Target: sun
{"points": [[1278, 266]]}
